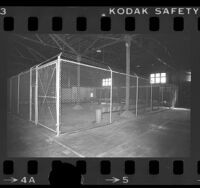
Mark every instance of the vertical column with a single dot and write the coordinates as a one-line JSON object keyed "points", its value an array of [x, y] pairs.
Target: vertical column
{"points": [[128, 58], [136, 103], [147, 96], [111, 87], [78, 80], [162, 88], [30, 99], [174, 99], [18, 87], [151, 97], [36, 95], [127, 113], [177, 95], [58, 96], [78, 106]]}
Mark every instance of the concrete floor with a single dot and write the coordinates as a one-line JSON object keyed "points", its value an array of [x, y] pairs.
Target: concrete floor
{"points": [[159, 134], [85, 118]]}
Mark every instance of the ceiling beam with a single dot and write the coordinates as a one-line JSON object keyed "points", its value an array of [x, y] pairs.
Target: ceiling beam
{"points": [[18, 51], [38, 42], [107, 37], [38, 53], [32, 51], [156, 57], [65, 43], [90, 46], [38, 37], [24, 57], [108, 44], [55, 41]]}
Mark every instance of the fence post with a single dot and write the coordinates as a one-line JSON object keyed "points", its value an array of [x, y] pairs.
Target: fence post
{"points": [[162, 88], [111, 87], [151, 97], [136, 103], [30, 99], [18, 85], [36, 95], [78, 79], [58, 76]]}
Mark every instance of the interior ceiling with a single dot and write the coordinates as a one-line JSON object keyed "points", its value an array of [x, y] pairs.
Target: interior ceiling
{"points": [[148, 52]]}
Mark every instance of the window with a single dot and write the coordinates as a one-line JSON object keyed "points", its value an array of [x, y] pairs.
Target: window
{"points": [[157, 78], [106, 82], [188, 76], [91, 94]]}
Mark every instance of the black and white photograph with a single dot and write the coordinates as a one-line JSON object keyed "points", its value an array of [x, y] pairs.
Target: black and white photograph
{"points": [[98, 95]]}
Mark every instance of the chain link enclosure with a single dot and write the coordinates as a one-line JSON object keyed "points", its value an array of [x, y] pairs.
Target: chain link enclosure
{"points": [[83, 91], [67, 96], [46, 95]]}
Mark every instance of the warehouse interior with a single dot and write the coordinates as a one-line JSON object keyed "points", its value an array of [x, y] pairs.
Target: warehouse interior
{"points": [[120, 95]]}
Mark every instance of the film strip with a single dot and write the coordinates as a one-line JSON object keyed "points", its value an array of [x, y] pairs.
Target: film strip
{"points": [[105, 24], [99, 96]]}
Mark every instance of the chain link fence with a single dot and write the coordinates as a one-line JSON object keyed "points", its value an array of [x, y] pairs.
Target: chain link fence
{"points": [[24, 94], [65, 96], [84, 90], [144, 96], [46, 95]]}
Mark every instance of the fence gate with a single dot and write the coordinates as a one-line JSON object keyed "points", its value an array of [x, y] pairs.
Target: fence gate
{"points": [[46, 105]]}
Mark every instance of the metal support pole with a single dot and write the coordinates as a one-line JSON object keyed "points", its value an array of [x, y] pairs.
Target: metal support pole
{"points": [[18, 85], [78, 79], [36, 95], [58, 96], [162, 94], [78, 106], [111, 87], [30, 99], [128, 57], [136, 103], [151, 97]]}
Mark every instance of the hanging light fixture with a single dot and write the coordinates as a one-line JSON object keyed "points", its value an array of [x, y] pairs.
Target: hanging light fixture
{"points": [[98, 51]]}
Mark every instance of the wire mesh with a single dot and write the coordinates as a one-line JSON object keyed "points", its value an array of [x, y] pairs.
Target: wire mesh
{"points": [[133, 101], [144, 95], [14, 94], [24, 94], [47, 95], [119, 96], [84, 89], [156, 98], [83, 96], [168, 95]]}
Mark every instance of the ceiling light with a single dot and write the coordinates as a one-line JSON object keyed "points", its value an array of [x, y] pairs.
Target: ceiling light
{"points": [[98, 51]]}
